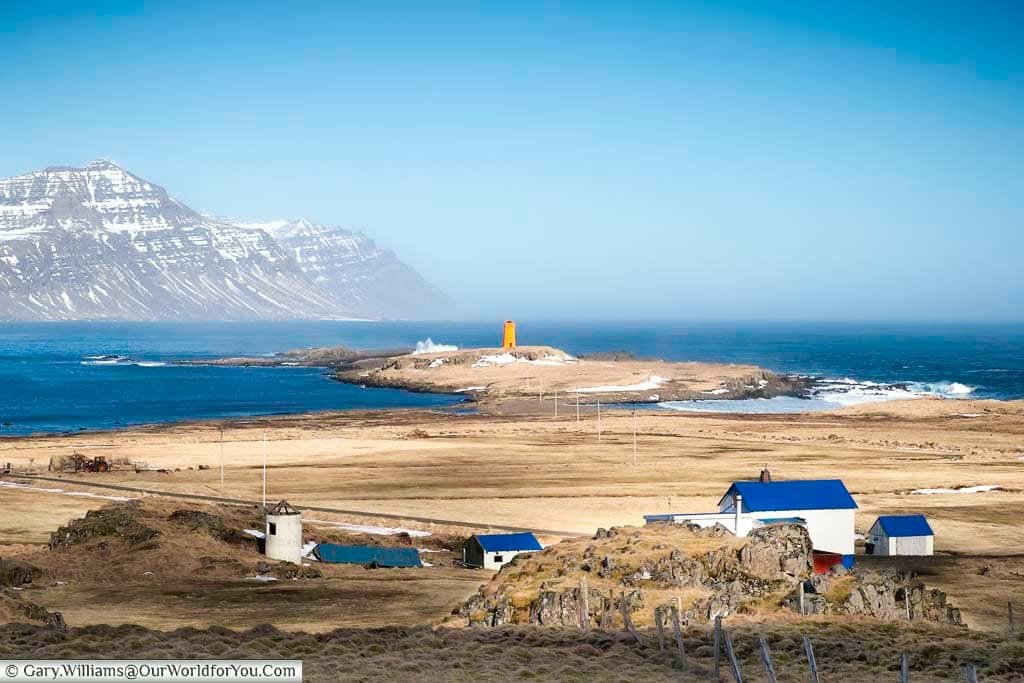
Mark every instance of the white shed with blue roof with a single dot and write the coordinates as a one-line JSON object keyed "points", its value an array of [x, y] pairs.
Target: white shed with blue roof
{"points": [[824, 506], [901, 535], [492, 551]]}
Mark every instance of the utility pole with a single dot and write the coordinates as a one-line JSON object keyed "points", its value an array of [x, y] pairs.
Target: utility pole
{"points": [[222, 461], [634, 438], [264, 470]]}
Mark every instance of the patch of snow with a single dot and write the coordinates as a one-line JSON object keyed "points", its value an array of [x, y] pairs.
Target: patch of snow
{"points": [[465, 389], [962, 489], [494, 359], [653, 382], [437, 362], [83, 494], [374, 530], [254, 533], [716, 392], [263, 579], [308, 548]]}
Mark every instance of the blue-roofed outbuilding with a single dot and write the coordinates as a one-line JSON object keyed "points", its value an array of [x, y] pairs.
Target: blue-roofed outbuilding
{"points": [[492, 551], [900, 535], [906, 525]]}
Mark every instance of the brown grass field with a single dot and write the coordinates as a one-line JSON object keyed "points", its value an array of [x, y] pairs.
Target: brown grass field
{"points": [[528, 469]]}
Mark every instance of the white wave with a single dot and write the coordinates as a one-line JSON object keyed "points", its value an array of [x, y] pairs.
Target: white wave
{"points": [[942, 388], [428, 346], [121, 361]]}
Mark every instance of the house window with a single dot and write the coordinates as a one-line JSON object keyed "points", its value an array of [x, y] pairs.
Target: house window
{"points": [[499, 558], [273, 529]]}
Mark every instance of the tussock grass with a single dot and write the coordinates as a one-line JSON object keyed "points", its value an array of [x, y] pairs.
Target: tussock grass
{"points": [[851, 650]]}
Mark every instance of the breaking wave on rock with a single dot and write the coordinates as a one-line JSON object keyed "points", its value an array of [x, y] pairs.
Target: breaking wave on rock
{"points": [[428, 346], [827, 394]]}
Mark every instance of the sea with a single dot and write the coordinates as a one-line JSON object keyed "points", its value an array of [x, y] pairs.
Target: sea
{"points": [[65, 377]]}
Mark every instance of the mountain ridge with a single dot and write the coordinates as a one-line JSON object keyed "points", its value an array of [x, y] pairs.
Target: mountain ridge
{"points": [[99, 242]]}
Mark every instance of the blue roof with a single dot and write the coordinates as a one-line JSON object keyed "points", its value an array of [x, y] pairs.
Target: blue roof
{"points": [[801, 494], [497, 543], [366, 554], [905, 525]]}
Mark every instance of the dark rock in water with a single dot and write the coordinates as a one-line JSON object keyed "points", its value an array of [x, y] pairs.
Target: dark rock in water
{"points": [[117, 521]]}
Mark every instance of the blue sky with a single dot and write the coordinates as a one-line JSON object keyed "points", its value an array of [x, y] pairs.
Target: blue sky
{"points": [[673, 160]]}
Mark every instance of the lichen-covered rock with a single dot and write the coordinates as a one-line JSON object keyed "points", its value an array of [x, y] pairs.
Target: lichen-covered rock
{"points": [[778, 551], [882, 595]]}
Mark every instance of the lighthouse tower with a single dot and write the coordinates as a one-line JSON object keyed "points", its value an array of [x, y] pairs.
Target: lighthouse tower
{"points": [[508, 340]]}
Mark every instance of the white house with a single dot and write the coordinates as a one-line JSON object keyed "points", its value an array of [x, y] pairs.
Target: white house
{"points": [[491, 551], [824, 506], [901, 535]]}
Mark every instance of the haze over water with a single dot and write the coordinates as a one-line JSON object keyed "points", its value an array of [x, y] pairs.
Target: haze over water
{"points": [[51, 380]]}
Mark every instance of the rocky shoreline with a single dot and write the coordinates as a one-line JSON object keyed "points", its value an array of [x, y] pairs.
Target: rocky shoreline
{"points": [[417, 373]]}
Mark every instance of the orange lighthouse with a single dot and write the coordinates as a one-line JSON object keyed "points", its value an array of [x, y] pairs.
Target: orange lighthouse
{"points": [[508, 340]]}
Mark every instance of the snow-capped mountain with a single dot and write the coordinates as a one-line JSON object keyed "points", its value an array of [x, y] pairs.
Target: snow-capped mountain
{"points": [[354, 271], [98, 242]]}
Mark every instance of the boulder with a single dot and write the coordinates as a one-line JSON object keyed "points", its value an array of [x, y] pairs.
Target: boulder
{"points": [[17, 573]]}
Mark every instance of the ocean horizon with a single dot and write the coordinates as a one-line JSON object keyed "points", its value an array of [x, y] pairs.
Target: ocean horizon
{"points": [[58, 377]]}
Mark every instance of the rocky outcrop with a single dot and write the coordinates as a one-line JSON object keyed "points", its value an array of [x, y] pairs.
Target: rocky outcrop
{"points": [[15, 608], [117, 522], [773, 560], [16, 573], [622, 567], [889, 595], [196, 520]]}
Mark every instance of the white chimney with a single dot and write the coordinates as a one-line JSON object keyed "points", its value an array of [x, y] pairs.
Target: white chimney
{"points": [[737, 501]]}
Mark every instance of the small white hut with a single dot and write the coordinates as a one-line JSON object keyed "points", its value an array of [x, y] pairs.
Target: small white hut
{"points": [[901, 535], [284, 533]]}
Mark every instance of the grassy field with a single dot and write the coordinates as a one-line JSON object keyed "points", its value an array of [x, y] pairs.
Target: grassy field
{"points": [[535, 471]]}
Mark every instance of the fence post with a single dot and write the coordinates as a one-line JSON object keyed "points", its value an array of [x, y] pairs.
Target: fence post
{"points": [[584, 604], [800, 594], [766, 659], [733, 662], [904, 668], [627, 621], [809, 650], [677, 628], [718, 646], [658, 615]]}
